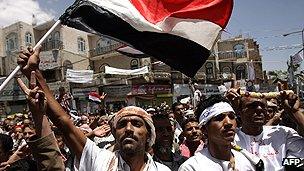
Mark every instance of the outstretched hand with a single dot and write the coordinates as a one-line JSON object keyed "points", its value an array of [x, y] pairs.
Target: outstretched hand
{"points": [[35, 97], [29, 60], [102, 131]]}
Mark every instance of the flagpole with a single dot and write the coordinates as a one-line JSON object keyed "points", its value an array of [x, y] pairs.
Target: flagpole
{"points": [[15, 71]]}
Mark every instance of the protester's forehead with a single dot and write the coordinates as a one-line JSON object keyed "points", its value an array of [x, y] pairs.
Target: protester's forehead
{"points": [[131, 117]]}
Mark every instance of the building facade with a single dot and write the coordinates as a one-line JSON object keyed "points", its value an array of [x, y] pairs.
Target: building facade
{"points": [[67, 48]]}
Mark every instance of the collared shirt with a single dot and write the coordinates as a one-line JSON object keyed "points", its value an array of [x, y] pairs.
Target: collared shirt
{"points": [[95, 159], [203, 160], [272, 145]]}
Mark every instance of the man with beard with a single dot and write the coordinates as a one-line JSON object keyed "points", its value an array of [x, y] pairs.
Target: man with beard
{"points": [[193, 138], [132, 127], [271, 143], [217, 118], [163, 143], [178, 111]]}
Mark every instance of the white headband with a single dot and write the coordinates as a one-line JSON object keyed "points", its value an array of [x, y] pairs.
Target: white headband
{"points": [[213, 111]]}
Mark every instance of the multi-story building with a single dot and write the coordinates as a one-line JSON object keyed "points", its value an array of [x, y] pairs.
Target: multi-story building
{"points": [[234, 56], [65, 48]]}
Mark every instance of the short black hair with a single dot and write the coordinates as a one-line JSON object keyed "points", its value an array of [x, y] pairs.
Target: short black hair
{"points": [[160, 117], [175, 104], [213, 99], [6, 142], [190, 119]]}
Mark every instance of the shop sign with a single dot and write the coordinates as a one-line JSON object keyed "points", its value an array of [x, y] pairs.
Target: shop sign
{"points": [[82, 92], [207, 89], [54, 87], [151, 89], [117, 91]]}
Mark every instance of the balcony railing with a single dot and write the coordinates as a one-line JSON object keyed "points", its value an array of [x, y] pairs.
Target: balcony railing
{"points": [[229, 55], [51, 45], [105, 49]]}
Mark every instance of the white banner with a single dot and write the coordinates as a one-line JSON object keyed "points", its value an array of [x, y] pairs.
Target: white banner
{"points": [[116, 71], [79, 76]]}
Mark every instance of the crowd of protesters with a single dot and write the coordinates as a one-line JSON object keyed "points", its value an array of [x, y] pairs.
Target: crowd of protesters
{"points": [[221, 132]]}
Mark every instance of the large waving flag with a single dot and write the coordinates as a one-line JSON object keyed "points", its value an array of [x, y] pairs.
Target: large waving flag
{"points": [[180, 33]]}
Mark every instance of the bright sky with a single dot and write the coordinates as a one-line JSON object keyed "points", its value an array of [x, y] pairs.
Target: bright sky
{"points": [[264, 20]]}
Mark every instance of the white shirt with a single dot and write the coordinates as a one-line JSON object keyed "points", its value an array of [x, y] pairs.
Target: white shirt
{"points": [[177, 132], [95, 159], [272, 145], [203, 160]]}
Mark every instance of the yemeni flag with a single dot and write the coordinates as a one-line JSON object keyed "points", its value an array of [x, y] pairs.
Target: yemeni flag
{"points": [[179, 33], [94, 96]]}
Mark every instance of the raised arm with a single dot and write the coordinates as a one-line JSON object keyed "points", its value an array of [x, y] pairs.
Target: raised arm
{"points": [[43, 145], [75, 139]]}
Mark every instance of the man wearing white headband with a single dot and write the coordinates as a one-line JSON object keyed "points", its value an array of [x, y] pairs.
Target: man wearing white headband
{"points": [[218, 121]]}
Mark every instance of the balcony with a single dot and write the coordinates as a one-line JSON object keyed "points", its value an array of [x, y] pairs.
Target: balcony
{"points": [[105, 49], [51, 45]]}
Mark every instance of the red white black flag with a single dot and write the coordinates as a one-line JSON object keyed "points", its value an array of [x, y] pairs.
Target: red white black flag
{"points": [[180, 33]]}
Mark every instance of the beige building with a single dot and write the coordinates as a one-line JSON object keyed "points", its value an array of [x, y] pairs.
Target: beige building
{"points": [[64, 48], [67, 48]]}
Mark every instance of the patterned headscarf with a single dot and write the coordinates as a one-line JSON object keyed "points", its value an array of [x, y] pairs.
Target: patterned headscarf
{"points": [[136, 111]]}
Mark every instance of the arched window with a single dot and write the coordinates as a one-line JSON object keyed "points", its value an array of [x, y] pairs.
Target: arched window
{"points": [[240, 72], [239, 50], [209, 68], [57, 36], [28, 38], [67, 65], [12, 42], [134, 64], [102, 67], [81, 44], [226, 70]]}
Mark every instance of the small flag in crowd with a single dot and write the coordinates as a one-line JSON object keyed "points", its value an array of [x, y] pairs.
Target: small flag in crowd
{"points": [[297, 58], [94, 96], [179, 33]]}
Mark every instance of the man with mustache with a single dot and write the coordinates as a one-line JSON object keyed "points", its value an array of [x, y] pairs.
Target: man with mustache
{"points": [[163, 147], [132, 127], [270, 143], [193, 137], [218, 120]]}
